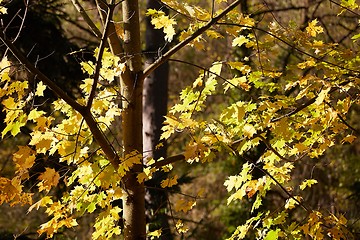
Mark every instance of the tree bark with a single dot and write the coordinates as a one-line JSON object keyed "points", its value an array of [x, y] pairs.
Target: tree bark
{"points": [[155, 93], [131, 90]]}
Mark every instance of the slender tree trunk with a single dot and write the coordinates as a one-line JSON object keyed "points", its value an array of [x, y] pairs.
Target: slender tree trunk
{"points": [[154, 109], [131, 88]]}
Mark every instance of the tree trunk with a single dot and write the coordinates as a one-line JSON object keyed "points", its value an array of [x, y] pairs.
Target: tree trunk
{"points": [[154, 109], [131, 89]]}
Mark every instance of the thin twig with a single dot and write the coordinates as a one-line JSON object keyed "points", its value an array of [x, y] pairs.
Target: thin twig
{"points": [[99, 56], [183, 43], [39, 75], [86, 17]]}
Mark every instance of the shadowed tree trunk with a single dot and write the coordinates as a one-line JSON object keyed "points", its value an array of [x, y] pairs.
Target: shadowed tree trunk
{"points": [[155, 93]]}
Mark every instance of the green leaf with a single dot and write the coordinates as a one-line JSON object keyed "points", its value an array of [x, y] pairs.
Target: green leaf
{"points": [[272, 235], [355, 37]]}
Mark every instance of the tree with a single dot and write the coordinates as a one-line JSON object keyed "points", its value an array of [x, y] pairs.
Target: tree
{"points": [[154, 109], [293, 117]]}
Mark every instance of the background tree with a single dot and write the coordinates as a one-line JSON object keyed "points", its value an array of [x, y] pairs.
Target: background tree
{"points": [[154, 109]]}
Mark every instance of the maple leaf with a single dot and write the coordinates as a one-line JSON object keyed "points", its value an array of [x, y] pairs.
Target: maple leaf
{"points": [[4, 66], [42, 141], [291, 202], [129, 161], [308, 63], [35, 114], [3, 10], [349, 138], [88, 67], [183, 205], [214, 34], [307, 183], [41, 203], [273, 234], [86, 85], [155, 234], [239, 41], [180, 227], [322, 95], [312, 29], [249, 130], [48, 179], [160, 20], [169, 182], [24, 158], [40, 88]]}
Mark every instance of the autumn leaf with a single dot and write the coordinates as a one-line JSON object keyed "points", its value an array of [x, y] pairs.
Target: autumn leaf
{"points": [[249, 130], [160, 20], [272, 234], [155, 234], [312, 29], [4, 65], [239, 41], [292, 202], [48, 179], [40, 88], [184, 205], [41, 203], [322, 95], [214, 34], [307, 183], [35, 114], [180, 227], [24, 158], [349, 138], [129, 161], [169, 182]]}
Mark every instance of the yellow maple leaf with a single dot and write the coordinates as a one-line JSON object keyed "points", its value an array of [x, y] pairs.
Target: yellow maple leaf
{"points": [[214, 34], [238, 41], [312, 29], [42, 141], [180, 227], [160, 20], [35, 114], [86, 85], [307, 183], [129, 161], [249, 130], [146, 174], [41, 203], [322, 95], [24, 158], [308, 63], [184, 205], [169, 182], [155, 234], [292, 202], [40, 89], [10, 103], [349, 138], [4, 66], [48, 179]]}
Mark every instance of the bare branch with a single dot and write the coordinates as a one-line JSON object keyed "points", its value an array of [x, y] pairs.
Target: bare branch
{"points": [[182, 44], [86, 17], [306, 104], [99, 56], [292, 46], [39, 75], [91, 122]]}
